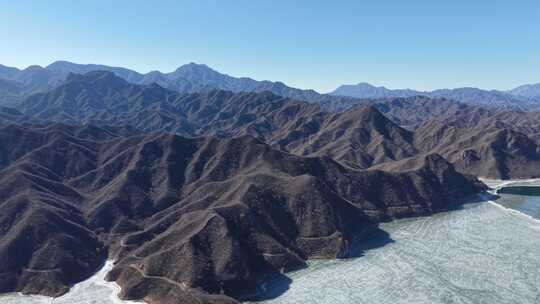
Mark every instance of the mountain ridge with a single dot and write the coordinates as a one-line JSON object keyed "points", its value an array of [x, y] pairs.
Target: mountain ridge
{"points": [[527, 90], [298, 127], [360, 138], [202, 195], [190, 77], [194, 77], [516, 98], [203, 219]]}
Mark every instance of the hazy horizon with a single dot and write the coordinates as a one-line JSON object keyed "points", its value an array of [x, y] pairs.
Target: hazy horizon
{"points": [[275, 80], [418, 44]]}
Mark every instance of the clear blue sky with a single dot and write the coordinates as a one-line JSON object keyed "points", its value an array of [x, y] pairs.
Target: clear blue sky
{"points": [[307, 44]]}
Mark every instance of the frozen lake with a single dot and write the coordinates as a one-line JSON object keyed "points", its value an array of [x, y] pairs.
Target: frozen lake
{"points": [[92, 291], [527, 204], [483, 253]]}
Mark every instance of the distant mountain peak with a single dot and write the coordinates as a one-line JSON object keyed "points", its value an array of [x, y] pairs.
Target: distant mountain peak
{"points": [[60, 63], [192, 66], [527, 90], [522, 98], [197, 77], [33, 68], [367, 84]]}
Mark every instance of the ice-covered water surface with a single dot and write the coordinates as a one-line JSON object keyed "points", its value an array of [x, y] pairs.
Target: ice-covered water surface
{"points": [[92, 291], [481, 254], [527, 204]]}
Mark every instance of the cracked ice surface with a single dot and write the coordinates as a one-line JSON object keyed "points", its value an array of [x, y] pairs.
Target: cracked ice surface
{"points": [[483, 253], [92, 291]]}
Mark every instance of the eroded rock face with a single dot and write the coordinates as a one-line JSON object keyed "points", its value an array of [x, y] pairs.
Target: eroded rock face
{"points": [[483, 151], [360, 138], [188, 220], [503, 141]]}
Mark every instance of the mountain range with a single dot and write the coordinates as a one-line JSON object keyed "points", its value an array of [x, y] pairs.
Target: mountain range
{"points": [[200, 219], [193, 77], [201, 186], [528, 90], [188, 78], [526, 97], [359, 138]]}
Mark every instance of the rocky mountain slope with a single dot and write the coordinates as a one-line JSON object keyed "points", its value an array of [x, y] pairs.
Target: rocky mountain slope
{"points": [[201, 219], [488, 152], [200, 196], [413, 112], [359, 138], [9, 92]]}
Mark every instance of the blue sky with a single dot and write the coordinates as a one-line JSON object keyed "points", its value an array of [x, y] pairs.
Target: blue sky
{"points": [[307, 44]]}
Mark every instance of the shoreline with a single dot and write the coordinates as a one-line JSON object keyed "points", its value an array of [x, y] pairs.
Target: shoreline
{"points": [[112, 289], [467, 247], [109, 292], [496, 185], [113, 286]]}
